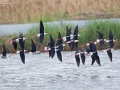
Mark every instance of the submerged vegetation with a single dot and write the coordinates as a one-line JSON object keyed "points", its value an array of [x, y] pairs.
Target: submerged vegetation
{"points": [[88, 34]]}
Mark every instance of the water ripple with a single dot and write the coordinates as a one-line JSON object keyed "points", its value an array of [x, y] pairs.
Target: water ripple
{"points": [[42, 73]]}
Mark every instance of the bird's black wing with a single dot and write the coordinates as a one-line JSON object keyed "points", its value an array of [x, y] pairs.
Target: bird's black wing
{"points": [[111, 39], [41, 32], [97, 58], [22, 56], [21, 42], [83, 58], [109, 54], [59, 55], [77, 58], [4, 51], [90, 45], [72, 45], [101, 43], [110, 35], [75, 37], [111, 43], [100, 35], [93, 60], [94, 48], [52, 46], [87, 49], [68, 32], [14, 43], [59, 42], [76, 33], [33, 46]]}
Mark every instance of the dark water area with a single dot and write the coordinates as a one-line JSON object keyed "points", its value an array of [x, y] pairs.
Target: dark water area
{"points": [[43, 73]]}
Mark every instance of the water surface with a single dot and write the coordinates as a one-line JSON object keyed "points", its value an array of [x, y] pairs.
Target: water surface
{"points": [[43, 73]]}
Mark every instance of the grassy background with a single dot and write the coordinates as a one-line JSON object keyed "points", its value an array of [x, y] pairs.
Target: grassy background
{"points": [[20, 11], [88, 34]]}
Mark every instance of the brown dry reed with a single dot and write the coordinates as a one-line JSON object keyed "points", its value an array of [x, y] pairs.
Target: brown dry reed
{"points": [[26, 11]]}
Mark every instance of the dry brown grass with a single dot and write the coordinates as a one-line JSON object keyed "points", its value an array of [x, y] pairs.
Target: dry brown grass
{"points": [[23, 11]]}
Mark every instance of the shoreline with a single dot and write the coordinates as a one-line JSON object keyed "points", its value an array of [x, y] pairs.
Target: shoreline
{"points": [[10, 48]]}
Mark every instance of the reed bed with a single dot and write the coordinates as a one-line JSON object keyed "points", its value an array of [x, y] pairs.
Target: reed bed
{"points": [[20, 11]]}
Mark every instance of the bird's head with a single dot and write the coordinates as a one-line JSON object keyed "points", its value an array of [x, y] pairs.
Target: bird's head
{"points": [[38, 35], [45, 33]]}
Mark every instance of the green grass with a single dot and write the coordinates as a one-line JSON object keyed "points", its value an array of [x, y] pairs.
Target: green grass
{"points": [[88, 33], [50, 30]]}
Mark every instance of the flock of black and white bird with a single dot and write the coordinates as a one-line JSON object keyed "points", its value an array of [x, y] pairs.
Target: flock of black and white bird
{"points": [[70, 40]]}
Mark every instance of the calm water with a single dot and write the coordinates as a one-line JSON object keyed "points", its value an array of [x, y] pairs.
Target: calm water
{"points": [[43, 73]]}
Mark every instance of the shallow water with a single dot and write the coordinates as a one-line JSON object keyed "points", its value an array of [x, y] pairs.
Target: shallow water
{"points": [[43, 73]]}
